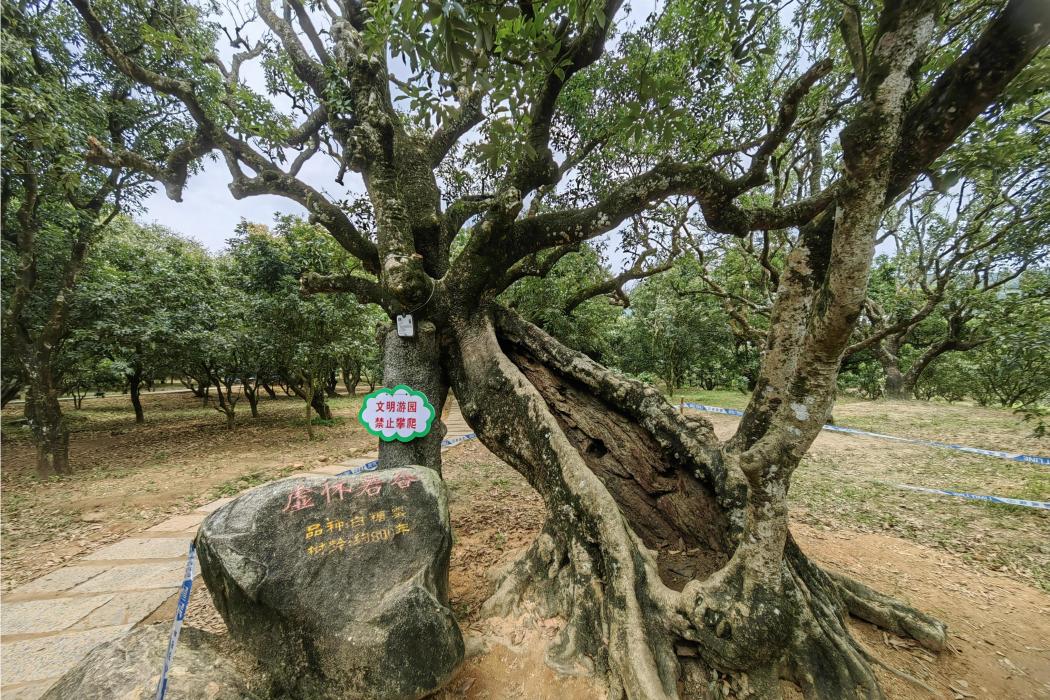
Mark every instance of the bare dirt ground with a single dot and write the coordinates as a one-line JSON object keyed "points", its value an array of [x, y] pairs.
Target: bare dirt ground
{"points": [[130, 477], [977, 566]]}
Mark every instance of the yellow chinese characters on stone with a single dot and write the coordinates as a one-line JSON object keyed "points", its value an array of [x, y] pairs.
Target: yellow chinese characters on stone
{"points": [[361, 536]]}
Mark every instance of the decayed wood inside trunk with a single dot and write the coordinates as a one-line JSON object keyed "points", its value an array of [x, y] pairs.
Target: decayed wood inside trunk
{"points": [[668, 508]]}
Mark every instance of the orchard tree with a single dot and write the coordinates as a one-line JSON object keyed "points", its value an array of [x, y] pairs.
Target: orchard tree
{"points": [[139, 293], [1013, 368], [678, 332], [304, 339], [958, 254], [58, 98], [573, 297], [505, 132]]}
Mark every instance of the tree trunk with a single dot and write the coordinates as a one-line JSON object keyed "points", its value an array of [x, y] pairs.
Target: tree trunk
{"points": [[351, 378], [923, 361], [43, 412], [135, 387], [250, 387], [268, 389], [320, 405], [896, 387], [888, 354], [658, 549], [199, 389], [10, 390], [316, 399], [331, 382], [308, 389], [416, 362]]}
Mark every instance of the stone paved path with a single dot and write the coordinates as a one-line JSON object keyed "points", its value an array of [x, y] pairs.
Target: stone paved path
{"points": [[51, 623]]}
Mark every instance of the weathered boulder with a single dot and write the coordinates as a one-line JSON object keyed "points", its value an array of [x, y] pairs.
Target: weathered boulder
{"points": [[339, 585], [129, 668]]}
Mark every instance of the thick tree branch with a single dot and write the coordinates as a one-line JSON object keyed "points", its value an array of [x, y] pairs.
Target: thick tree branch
{"points": [[448, 134], [537, 167], [968, 87], [367, 291], [710, 188], [536, 265]]}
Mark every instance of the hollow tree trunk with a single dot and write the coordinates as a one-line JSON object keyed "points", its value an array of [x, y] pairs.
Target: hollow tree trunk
{"points": [[135, 389], [657, 548], [43, 412]]}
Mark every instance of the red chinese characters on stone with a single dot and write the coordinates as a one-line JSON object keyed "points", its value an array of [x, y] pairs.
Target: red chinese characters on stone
{"points": [[403, 480], [372, 486], [338, 489], [303, 497], [299, 499]]}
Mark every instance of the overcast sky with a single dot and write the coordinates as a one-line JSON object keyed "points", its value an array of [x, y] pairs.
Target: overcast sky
{"points": [[208, 212]]}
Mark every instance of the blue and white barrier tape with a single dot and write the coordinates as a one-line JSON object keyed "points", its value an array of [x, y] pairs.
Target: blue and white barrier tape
{"points": [[180, 615], [1012, 456], [371, 466], [456, 441], [979, 497]]}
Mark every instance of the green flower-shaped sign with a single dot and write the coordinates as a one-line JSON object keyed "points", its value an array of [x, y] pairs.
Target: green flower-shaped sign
{"points": [[401, 413]]}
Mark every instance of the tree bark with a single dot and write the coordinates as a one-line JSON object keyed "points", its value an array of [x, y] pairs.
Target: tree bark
{"points": [[135, 389], [888, 354], [320, 405], [351, 377], [250, 387], [315, 399], [43, 412], [416, 362]]}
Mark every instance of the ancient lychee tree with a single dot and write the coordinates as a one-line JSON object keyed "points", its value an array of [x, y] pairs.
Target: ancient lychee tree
{"points": [[490, 136]]}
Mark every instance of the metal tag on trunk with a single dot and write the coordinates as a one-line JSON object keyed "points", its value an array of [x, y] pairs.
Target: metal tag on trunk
{"points": [[406, 328]]}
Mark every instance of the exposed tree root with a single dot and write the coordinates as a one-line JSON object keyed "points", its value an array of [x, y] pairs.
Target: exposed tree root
{"points": [[891, 614]]}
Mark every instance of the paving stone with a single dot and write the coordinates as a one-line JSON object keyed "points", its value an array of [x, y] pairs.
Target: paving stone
{"points": [[30, 691], [49, 657], [35, 616], [133, 577], [329, 470], [143, 548], [180, 523], [62, 579], [358, 461], [214, 505], [125, 609]]}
